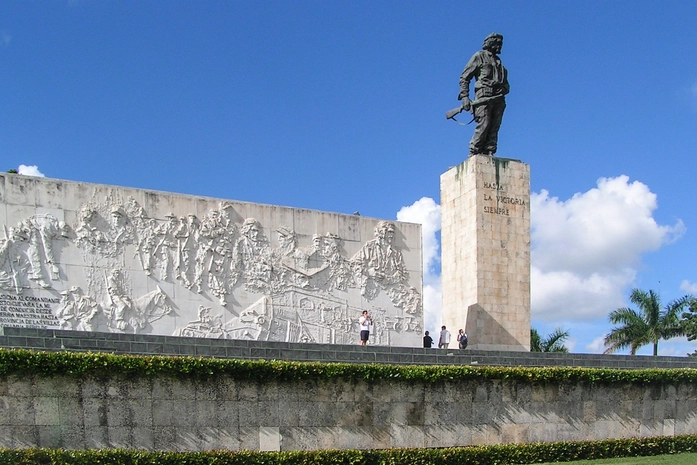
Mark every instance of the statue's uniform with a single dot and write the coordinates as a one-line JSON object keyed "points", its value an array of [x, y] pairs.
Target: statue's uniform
{"points": [[491, 80]]}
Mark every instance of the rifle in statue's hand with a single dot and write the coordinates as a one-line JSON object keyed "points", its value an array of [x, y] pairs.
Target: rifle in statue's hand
{"points": [[454, 112], [480, 101]]}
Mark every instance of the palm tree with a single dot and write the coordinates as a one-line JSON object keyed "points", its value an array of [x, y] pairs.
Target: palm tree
{"points": [[648, 325], [552, 343], [689, 323]]}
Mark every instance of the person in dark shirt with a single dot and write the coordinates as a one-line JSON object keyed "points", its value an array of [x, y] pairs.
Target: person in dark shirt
{"points": [[428, 342]]}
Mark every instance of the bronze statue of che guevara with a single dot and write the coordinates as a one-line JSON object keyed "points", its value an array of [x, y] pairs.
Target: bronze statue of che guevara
{"points": [[490, 88]]}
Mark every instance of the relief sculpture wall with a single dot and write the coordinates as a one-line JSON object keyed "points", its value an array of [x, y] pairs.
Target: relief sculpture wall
{"points": [[91, 257]]}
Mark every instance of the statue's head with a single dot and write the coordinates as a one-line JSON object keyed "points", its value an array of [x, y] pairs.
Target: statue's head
{"points": [[76, 290], [385, 230], [87, 214], [333, 241], [493, 42], [317, 241], [252, 229], [286, 237], [226, 209], [117, 216]]}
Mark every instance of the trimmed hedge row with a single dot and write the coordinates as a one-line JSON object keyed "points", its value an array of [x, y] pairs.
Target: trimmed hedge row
{"points": [[20, 362], [476, 455]]}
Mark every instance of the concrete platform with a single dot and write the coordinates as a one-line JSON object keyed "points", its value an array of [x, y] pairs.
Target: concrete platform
{"points": [[138, 344]]}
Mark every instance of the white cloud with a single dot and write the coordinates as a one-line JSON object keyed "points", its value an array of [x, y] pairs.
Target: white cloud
{"points": [[433, 306], [571, 344], [669, 351], [426, 212], [688, 287], [586, 250], [597, 346], [32, 170], [572, 295]]}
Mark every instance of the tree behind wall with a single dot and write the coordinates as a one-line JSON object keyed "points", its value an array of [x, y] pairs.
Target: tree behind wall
{"points": [[647, 325], [689, 323], [552, 343]]}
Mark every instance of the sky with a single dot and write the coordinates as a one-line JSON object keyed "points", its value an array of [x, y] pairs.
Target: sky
{"points": [[339, 106]]}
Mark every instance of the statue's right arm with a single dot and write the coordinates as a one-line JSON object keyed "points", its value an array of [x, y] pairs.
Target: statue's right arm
{"points": [[470, 72]]}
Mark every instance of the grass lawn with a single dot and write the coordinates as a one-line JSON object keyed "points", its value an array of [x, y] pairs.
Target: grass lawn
{"points": [[677, 459]]}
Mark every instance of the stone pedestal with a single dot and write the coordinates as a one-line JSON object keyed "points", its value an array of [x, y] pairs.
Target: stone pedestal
{"points": [[485, 239]]}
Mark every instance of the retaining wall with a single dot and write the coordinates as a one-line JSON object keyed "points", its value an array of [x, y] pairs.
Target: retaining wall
{"points": [[166, 414], [161, 413]]}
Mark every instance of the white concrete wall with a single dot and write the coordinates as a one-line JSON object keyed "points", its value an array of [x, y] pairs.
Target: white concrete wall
{"points": [[105, 258]]}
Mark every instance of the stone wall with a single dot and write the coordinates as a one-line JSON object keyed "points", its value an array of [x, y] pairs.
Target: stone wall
{"points": [[166, 414], [90, 257]]}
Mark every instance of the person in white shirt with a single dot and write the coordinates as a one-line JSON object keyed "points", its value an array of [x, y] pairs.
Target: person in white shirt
{"points": [[444, 339], [365, 321]]}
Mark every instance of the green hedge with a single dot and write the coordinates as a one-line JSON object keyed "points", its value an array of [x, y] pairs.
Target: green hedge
{"points": [[476, 455], [20, 362]]}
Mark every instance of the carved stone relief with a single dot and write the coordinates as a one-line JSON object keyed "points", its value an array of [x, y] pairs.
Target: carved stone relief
{"points": [[247, 287], [27, 253], [127, 314], [78, 311]]}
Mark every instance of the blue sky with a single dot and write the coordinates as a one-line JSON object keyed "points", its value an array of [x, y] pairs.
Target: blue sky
{"points": [[339, 106]]}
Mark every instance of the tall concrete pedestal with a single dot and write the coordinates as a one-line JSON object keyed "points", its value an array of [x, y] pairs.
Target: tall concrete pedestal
{"points": [[485, 240]]}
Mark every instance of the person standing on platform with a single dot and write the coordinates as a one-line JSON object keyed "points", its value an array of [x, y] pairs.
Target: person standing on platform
{"points": [[365, 321], [462, 339], [444, 339], [428, 341]]}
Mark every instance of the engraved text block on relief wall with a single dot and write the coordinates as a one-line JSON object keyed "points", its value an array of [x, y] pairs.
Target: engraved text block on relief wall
{"points": [[121, 260]]}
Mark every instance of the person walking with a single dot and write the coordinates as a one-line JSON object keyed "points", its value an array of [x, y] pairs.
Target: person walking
{"points": [[444, 339]]}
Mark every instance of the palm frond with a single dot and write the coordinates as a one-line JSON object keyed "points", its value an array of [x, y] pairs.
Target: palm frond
{"points": [[552, 343], [650, 323]]}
